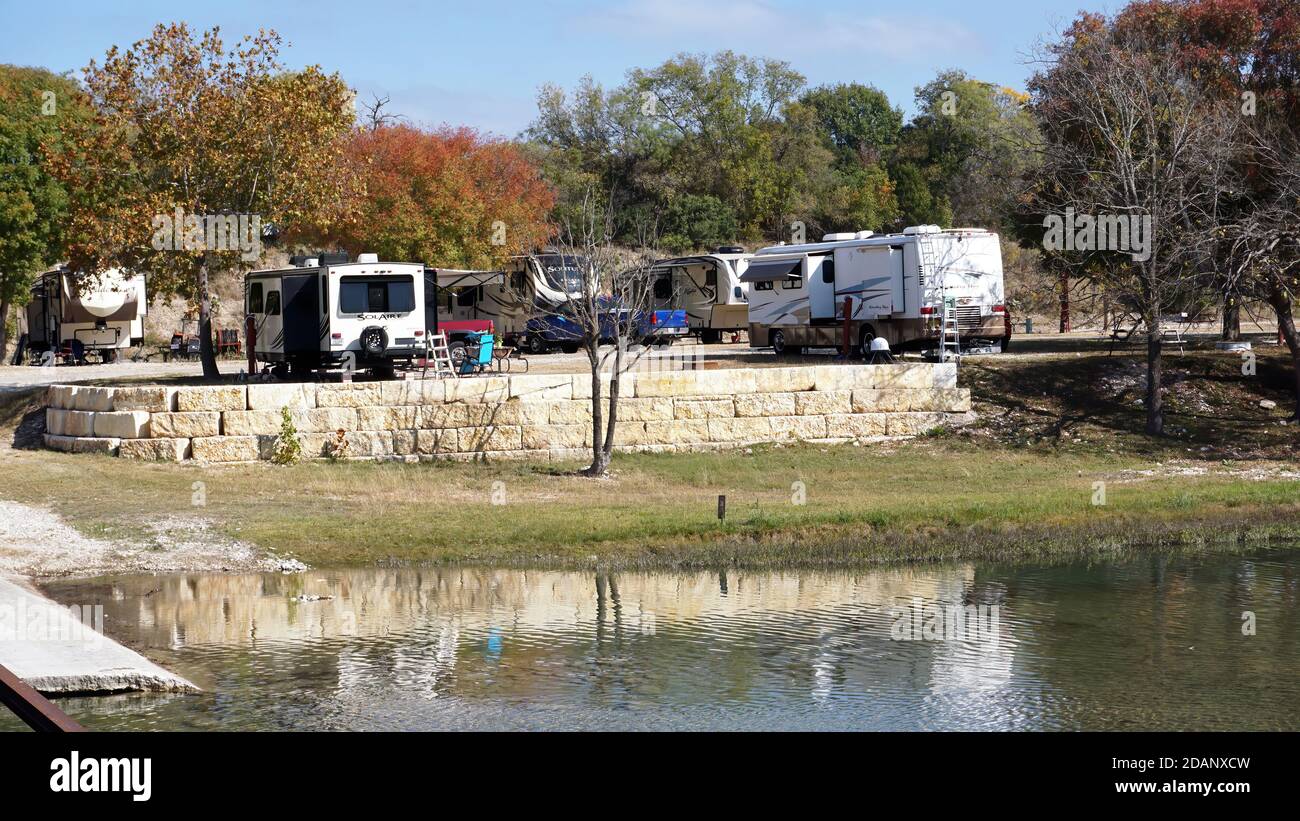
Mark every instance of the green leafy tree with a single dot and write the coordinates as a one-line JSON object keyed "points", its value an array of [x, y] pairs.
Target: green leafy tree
{"points": [[697, 221], [35, 107], [186, 128]]}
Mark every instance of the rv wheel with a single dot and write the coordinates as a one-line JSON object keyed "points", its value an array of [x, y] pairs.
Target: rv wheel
{"points": [[374, 340], [780, 348], [569, 347], [709, 336], [536, 345], [867, 334]]}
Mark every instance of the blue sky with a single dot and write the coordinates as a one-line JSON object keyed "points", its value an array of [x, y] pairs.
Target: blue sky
{"points": [[480, 62]]}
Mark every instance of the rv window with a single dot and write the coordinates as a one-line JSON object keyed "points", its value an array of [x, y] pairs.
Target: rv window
{"points": [[255, 298], [517, 282], [711, 277], [828, 271], [663, 287], [324, 295], [467, 297], [791, 283], [273, 303], [763, 285], [359, 295]]}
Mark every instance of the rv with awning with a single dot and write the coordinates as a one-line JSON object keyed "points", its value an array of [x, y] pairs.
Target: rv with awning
{"points": [[917, 289], [327, 312], [709, 288], [82, 313], [524, 300]]}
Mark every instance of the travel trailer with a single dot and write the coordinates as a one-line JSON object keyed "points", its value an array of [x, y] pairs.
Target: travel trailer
{"points": [[524, 301], [709, 288], [77, 314], [924, 288], [327, 312]]}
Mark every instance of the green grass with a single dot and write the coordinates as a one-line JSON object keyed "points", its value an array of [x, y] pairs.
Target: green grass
{"points": [[925, 500]]}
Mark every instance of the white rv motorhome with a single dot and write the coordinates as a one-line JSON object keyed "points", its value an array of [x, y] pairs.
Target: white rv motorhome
{"points": [[104, 314], [710, 289], [899, 286], [524, 303], [327, 312]]}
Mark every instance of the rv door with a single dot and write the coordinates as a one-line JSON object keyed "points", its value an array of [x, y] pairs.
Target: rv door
{"points": [[304, 325], [821, 287]]}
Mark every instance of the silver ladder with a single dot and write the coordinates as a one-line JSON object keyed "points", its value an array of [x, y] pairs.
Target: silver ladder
{"points": [[442, 365], [934, 294]]}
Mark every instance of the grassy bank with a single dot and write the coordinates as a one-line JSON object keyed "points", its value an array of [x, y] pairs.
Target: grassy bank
{"points": [[1020, 484], [920, 501]]}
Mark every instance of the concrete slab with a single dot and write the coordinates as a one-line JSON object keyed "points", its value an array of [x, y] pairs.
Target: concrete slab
{"points": [[57, 650]]}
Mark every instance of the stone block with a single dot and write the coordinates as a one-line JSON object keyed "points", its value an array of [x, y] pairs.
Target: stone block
{"points": [[856, 425], [106, 445], [78, 423], [677, 432], [491, 437], [225, 448], [801, 428], [913, 424], [552, 437], [444, 440], [276, 396], [891, 400], [543, 387], [820, 403], [478, 390], [413, 392], [185, 425], [122, 425], [55, 441], [783, 380], [913, 375], [578, 411], [158, 450], [151, 398], [765, 404], [703, 409], [749, 429], [86, 398], [349, 394], [211, 398]]}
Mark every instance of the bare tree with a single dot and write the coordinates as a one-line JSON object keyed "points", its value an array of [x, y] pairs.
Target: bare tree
{"points": [[1132, 142], [374, 116], [610, 299]]}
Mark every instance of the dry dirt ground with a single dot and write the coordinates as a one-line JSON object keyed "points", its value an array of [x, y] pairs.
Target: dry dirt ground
{"points": [[36, 542]]}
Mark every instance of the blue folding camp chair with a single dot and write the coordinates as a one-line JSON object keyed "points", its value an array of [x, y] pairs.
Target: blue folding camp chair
{"points": [[478, 353]]}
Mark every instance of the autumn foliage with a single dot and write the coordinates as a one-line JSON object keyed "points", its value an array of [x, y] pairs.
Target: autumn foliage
{"points": [[449, 197]]}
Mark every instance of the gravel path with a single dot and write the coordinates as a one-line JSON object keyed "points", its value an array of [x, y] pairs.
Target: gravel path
{"points": [[34, 541]]}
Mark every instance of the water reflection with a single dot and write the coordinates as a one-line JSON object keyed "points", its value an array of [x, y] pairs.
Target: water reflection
{"points": [[1154, 643]]}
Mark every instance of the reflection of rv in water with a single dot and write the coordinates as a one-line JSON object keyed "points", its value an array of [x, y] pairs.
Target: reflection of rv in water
{"points": [[327, 312], [525, 301], [900, 287], [709, 288], [78, 314]]}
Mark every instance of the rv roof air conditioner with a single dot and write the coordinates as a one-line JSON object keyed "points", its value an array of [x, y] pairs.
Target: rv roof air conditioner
{"points": [[839, 237], [730, 249], [369, 259], [864, 235], [311, 262], [921, 229]]}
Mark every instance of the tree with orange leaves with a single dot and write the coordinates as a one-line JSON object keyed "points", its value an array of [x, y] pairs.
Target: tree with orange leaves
{"points": [[450, 197]]}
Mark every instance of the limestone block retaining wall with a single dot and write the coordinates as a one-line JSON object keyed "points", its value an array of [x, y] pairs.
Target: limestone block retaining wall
{"points": [[530, 416]]}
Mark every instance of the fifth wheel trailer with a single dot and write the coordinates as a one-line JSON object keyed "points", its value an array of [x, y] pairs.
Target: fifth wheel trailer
{"points": [[103, 313], [898, 286], [709, 288]]}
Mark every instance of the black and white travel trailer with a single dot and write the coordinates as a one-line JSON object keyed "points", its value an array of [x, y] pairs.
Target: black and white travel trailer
{"points": [[923, 288], [524, 300], [709, 288], [327, 312], [77, 314]]}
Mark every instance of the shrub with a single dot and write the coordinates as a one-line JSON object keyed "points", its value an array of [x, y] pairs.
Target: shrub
{"points": [[288, 445]]}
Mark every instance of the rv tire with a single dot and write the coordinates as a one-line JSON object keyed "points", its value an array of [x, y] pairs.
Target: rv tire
{"points": [[865, 336], [569, 347], [708, 336], [780, 348], [456, 350], [536, 345]]}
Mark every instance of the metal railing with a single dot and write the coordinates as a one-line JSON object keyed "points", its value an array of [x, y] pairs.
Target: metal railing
{"points": [[36, 711]]}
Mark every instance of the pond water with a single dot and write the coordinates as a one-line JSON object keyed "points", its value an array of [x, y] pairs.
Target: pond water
{"points": [[1153, 643]]}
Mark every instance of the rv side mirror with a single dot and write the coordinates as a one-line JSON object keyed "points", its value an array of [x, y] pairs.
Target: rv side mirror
{"points": [[739, 293]]}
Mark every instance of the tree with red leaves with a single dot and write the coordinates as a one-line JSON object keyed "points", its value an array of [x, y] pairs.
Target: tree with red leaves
{"points": [[449, 197]]}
